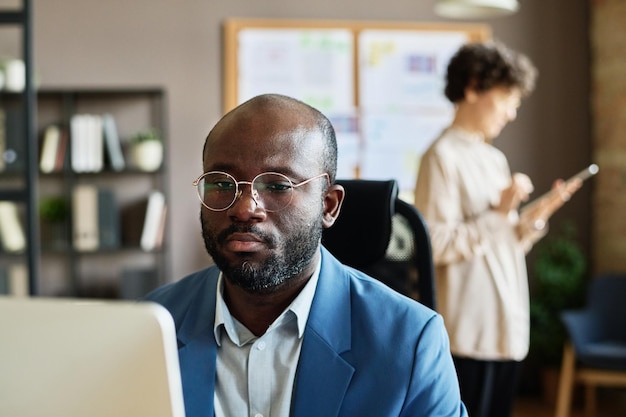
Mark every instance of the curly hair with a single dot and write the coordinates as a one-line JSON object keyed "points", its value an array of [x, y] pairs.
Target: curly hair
{"points": [[483, 66]]}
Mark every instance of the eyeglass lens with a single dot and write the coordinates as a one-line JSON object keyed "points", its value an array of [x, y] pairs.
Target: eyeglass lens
{"points": [[219, 190]]}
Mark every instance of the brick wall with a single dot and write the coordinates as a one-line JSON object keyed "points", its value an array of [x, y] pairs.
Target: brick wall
{"points": [[608, 86]]}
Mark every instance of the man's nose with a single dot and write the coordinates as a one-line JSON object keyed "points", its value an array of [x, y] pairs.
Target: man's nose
{"points": [[246, 203]]}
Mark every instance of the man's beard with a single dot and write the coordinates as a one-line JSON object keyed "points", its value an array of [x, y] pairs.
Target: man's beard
{"points": [[285, 261]]}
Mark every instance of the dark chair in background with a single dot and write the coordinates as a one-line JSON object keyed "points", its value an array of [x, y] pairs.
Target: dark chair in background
{"points": [[384, 237], [596, 354]]}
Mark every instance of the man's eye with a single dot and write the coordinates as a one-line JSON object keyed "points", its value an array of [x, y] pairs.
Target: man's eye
{"points": [[274, 187], [219, 186]]}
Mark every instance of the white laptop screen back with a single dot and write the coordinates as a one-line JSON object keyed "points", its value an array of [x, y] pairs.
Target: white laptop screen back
{"points": [[74, 358]]}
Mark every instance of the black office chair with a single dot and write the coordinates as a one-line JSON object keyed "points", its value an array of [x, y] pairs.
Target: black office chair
{"points": [[385, 237], [596, 352]]}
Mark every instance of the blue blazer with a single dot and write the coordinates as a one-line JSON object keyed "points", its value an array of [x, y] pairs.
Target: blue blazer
{"points": [[367, 351]]}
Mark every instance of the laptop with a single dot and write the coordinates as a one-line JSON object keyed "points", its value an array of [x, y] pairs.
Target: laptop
{"points": [[79, 358]]}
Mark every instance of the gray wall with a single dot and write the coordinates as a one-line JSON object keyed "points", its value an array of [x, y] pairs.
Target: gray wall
{"points": [[177, 45]]}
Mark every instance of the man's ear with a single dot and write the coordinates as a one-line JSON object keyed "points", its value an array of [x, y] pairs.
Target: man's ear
{"points": [[332, 204]]}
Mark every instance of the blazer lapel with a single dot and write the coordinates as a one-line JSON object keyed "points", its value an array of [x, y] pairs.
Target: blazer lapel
{"points": [[197, 362], [323, 375], [198, 352]]}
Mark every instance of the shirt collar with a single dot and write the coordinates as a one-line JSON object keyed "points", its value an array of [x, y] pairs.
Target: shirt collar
{"points": [[466, 134], [300, 307]]}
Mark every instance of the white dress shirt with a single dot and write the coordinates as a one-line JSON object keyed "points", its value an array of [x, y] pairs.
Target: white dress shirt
{"points": [[255, 375]]}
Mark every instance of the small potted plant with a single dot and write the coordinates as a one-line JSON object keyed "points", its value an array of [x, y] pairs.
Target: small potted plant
{"points": [[53, 214], [146, 150]]}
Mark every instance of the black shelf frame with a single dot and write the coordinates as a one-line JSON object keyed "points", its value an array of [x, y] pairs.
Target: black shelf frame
{"points": [[69, 99], [28, 194]]}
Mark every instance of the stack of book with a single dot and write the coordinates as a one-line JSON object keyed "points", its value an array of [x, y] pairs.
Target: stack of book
{"points": [[93, 141], [98, 224], [95, 218]]}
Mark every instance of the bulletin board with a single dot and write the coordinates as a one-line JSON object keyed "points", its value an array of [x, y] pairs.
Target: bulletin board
{"points": [[380, 83]]}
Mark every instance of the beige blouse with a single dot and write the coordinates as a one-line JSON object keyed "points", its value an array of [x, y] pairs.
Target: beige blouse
{"points": [[479, 254]]}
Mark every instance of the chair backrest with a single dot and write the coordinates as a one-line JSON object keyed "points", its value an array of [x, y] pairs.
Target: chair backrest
{"points": [[384, 237], [606, 299]]}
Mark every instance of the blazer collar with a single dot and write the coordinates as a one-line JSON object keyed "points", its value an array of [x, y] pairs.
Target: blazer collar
{"points": [[323, 375], [329, 317]]}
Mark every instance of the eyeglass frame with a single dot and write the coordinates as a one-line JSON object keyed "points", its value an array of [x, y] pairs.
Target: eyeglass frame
{"points": [[239, 191]]}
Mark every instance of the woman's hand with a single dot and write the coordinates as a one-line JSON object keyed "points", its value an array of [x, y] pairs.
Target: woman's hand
{"points": [[539, 212], [512, 196]]}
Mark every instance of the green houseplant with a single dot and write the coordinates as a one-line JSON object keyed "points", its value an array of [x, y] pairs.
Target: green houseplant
{"points": [[559, 270], [53, 215]]}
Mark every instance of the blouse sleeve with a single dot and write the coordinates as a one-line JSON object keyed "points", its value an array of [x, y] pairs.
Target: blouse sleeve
{"points": [[460, 219]]}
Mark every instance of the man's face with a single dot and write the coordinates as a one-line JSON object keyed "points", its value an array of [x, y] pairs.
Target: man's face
{"points": [[259, 250]]}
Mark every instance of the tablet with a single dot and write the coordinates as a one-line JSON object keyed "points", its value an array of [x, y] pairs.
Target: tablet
{"points": [[586, 173], [582, 175]]}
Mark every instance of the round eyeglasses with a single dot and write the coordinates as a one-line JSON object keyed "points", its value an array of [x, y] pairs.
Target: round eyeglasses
{"points": [[271, 191]]}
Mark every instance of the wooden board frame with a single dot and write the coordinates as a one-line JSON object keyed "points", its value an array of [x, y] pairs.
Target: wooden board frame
{"points": [[232, 27]]}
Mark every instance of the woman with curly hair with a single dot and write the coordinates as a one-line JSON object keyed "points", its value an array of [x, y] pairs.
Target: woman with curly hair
{"points": [[471, 201]]}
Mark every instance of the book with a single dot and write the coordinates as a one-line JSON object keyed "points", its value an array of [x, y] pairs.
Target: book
{"points": [[154, 217], [161, 231], [85, 217], [18, 280], [3, 140], [96, 144], [86, 143], [61, 155], [113, 144], [49, 149], [142, 221], [77, 142], [108, 220], [14, 280], [12, 234]]}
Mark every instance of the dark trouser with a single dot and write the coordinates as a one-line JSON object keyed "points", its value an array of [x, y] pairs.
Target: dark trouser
{"points": [[488, 388]]}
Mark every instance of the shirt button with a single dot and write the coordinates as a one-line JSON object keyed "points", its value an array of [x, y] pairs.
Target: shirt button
{"points": [[260, 346]]}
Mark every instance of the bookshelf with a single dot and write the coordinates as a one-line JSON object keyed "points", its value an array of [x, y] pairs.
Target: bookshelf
{"points": [[19, 188], [89, 248]]}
